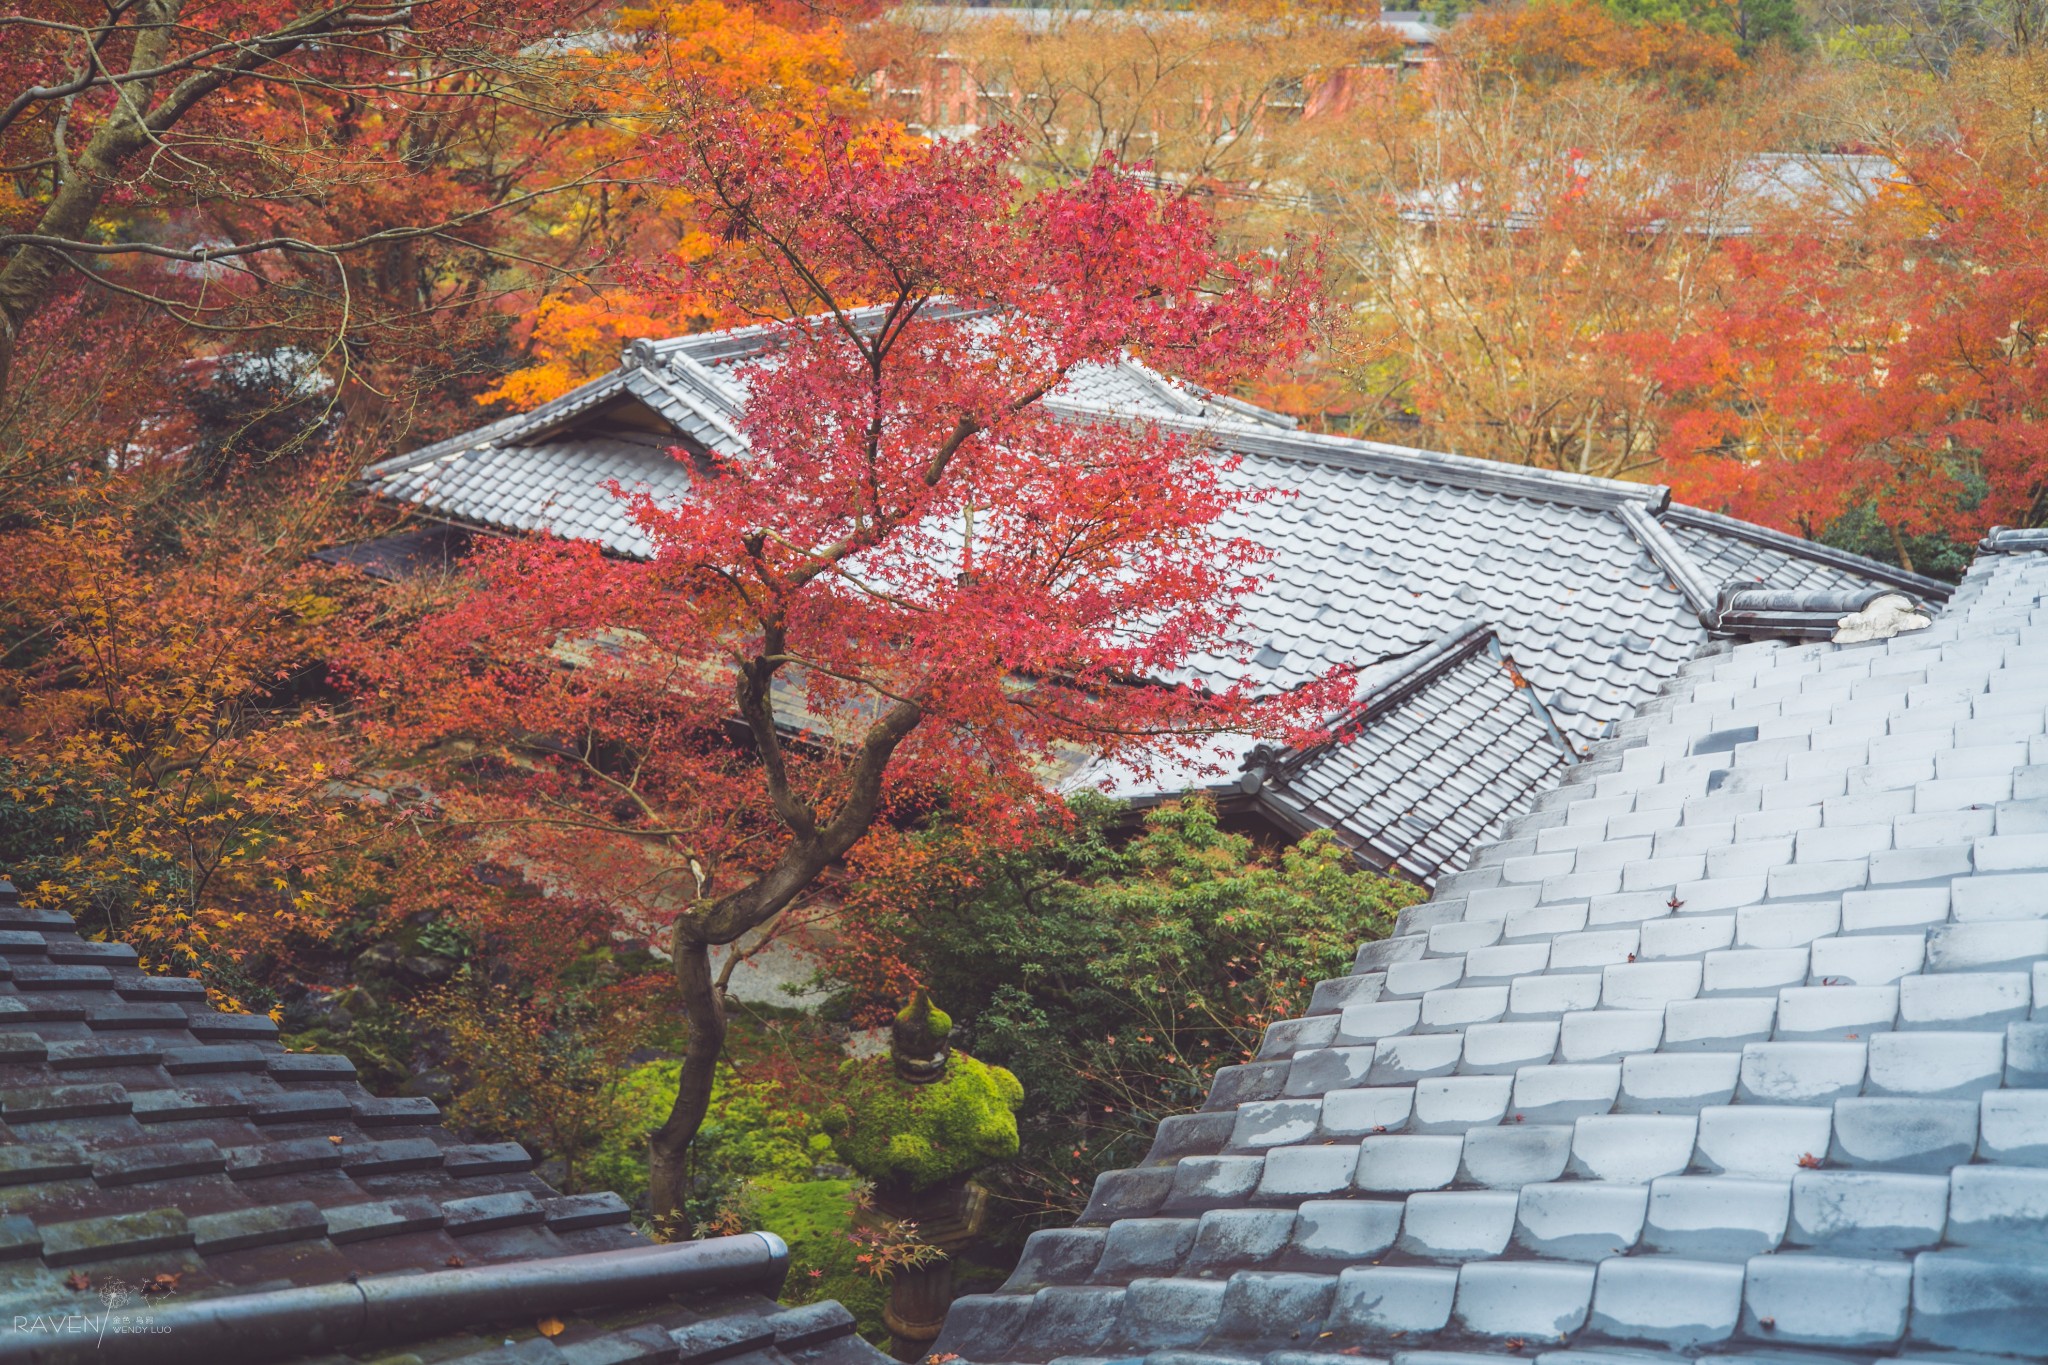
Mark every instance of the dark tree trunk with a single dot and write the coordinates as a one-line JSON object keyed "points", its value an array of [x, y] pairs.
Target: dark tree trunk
{"points": [[704, 1006]]}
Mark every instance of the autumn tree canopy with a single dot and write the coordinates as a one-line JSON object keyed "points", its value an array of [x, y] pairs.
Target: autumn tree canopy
{"points": [[915, 586], [1886, 366], [222, 136]]}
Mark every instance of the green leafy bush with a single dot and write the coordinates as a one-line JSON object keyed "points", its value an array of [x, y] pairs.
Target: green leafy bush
{"points": [[1113, 976]]}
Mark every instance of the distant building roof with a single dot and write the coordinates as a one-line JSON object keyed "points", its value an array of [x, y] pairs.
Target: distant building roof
{"points": [[1593, 588], [176, 1187], [1734, 1048], [1412, 26], [1828, 184], [403, 554]]}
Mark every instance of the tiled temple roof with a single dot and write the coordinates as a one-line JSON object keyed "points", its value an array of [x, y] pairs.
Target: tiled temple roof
{"points": [[1736, 1045], [1593, 587], [148, 1142]]}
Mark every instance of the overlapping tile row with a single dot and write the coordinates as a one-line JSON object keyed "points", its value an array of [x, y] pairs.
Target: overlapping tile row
{"points": [[561, 486], [1368, 565], [1416, 779], [148, 1140], [1728, 550], [1737, 1046]]}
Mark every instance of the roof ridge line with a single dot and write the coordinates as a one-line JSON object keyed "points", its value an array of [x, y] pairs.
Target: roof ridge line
{"points": [[517, 425], [739, 343], [448, 445], [1699, 591], [710, 411], [1160, 384], [1428, 466], [1684, 514], [723, 393]]}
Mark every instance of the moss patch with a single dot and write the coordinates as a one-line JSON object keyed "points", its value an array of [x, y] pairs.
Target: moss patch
{"points": [[746, 1138], [890, 1129], [816, 1218]]}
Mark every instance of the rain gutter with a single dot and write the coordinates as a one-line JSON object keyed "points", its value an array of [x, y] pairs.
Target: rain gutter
{"points": [[388, 1311]]}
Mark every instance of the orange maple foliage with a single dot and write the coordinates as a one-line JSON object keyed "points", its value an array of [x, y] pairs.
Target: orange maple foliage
{"points": [[162, 797], [656, 62], [1888, 365], [1548, 42]]}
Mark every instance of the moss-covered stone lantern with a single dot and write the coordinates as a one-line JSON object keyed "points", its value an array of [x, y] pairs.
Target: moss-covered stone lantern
{"points": [[918, 1124]]}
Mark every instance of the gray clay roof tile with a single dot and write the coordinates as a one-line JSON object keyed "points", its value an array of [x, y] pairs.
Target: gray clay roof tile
{"points": [[1808, 1117], [192, 1160]]}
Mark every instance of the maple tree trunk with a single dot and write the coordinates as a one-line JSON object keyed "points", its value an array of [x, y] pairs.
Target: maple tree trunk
{"points": [[733, 915], [668, 1148]]}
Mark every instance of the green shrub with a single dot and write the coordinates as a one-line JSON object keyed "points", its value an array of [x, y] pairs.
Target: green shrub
{"points": [[1113, 975]]}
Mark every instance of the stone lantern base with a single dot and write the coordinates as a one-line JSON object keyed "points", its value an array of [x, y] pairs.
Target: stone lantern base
{"points": [[948, 1216]]}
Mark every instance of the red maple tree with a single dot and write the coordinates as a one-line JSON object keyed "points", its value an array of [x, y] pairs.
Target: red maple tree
{"points": [[916, 588]]}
